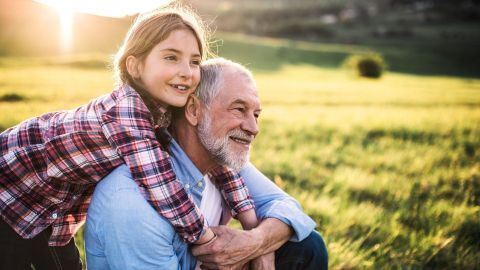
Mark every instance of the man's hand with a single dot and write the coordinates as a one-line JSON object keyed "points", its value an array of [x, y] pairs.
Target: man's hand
{"points": [[264, 262], [234, 248], [231, 250]]}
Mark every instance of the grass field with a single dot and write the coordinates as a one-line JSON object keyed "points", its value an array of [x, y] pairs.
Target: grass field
{"points": [[389, 168]]}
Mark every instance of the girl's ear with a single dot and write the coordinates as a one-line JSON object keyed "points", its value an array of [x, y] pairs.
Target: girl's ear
{"points": [[192, 110], [132, 66]]}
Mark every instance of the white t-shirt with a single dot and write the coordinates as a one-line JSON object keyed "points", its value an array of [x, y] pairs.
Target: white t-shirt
{"points": [[211, 205]]}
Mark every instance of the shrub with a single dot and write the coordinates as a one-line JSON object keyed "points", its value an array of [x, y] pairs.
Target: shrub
{"points": [[370, 65], [11, 98]]}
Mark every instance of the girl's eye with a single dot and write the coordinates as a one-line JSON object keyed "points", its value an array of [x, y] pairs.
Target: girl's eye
{"points": [[196, 62], [171, 58]]}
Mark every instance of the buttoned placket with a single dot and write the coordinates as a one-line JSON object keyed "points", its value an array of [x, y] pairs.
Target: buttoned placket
{"points": [[195, 189]]}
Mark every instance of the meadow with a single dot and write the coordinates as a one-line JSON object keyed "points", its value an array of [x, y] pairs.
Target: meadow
{"points": [[389, 168]]}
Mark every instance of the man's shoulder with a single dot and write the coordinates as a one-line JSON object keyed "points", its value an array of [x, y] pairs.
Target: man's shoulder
{"points": [[119, 178]]}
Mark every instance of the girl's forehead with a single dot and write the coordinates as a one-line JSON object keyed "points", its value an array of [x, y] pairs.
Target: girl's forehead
{"points": [[180, 40]]}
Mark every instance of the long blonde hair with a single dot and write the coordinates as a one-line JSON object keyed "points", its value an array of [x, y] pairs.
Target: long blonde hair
{"points": [[151, 28]]}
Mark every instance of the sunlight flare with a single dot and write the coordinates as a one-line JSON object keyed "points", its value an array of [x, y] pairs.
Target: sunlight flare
{"points": [[107, 8], [66, 25]]}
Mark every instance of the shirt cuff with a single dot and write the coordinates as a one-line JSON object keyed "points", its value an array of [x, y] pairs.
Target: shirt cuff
{"points": [[301, 224]]}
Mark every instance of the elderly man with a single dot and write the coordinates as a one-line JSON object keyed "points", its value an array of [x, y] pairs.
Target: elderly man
{"points": [[216, 127]]}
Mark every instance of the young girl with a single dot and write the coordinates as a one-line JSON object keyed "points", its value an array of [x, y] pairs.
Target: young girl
{"points": [[49, 165]]}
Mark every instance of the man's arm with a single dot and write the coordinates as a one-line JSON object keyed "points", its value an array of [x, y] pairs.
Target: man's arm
{"points": [[272, 202], [236, 247], [282, 220]]}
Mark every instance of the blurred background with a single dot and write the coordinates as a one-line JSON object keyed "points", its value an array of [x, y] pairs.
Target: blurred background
{"points": [[371, 108]]}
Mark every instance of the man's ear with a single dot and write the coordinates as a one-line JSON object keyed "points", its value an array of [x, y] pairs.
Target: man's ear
{"points": [[192, 110], [132, 66]]}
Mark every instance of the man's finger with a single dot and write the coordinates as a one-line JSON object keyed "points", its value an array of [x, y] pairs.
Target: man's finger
{"points": [[199, 250], [206, 265], [209, 259]]}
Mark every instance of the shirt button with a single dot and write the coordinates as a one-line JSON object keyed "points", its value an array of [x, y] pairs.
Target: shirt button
{"points": [[200, 184], [187, 186], [54, 215]]}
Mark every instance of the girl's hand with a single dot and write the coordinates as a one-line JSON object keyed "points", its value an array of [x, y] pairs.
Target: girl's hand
{"points": [[208, 237]]}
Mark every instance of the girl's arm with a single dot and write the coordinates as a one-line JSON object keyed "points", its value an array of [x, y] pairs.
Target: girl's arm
{"points": [[248, 219], [235, 193], [129, 130]]}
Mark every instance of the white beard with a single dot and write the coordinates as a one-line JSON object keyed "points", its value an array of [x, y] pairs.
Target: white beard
{"points": [[220, 148]]}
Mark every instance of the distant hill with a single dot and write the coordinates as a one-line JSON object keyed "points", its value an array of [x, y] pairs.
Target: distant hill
{"points": [[31, 28], [27, 27], [328, 20]]}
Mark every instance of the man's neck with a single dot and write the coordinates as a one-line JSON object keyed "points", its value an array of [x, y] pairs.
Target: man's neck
{"points": [[187, 137]]}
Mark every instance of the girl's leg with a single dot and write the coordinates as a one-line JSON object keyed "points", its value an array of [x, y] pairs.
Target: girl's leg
{"points": [[45, 257], [15, 252]]}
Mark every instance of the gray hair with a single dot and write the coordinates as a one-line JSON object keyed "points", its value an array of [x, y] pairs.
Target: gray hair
{"points": [[212, 72]]}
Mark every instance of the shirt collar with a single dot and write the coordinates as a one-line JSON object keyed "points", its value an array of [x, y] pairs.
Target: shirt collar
{"points": [[165, 114], [184, 166]]}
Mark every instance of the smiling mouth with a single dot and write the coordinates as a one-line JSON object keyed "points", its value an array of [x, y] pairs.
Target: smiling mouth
{"points": [[181, 87], [244, 141]]}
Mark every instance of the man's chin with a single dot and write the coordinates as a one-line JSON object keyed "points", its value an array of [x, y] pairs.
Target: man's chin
{"points": [[237, 162]]}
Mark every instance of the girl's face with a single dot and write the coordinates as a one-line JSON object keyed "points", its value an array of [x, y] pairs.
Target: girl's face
{"points": [[171, 71]]}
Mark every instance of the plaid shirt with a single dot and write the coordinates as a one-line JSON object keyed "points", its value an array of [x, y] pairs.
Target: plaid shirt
{"points": [[49, 166]]}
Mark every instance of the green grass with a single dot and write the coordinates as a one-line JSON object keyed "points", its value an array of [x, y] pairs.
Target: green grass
{"points": [[389, 169], [417, 56]]}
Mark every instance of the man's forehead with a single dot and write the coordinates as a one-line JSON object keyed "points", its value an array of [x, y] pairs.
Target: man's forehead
{"points": [[236, 86]]}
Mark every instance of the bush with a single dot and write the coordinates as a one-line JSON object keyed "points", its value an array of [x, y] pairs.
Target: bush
{"points": [[11, 98], [369, 65]]}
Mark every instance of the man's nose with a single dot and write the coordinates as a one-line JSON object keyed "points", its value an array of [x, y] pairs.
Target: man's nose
{"points": [[250, 125]]}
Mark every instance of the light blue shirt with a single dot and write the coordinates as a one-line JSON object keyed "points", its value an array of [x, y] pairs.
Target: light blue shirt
{"points": [[123, 231]]}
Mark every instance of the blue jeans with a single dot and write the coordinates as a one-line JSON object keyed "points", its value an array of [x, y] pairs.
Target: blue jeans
{"points": [[311, 253]]}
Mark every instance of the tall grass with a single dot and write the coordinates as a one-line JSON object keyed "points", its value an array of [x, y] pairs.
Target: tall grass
{"points": [[389, 169]]}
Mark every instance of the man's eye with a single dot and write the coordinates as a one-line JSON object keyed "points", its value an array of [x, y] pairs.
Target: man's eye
{"points": [[240, 109]]}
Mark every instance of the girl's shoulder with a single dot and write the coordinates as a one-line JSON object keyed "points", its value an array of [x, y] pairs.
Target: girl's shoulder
{"points": [[126, 97], [124, 107]]}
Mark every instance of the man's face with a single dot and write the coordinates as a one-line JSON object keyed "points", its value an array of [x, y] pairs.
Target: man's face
{"points": [[229, 125]]}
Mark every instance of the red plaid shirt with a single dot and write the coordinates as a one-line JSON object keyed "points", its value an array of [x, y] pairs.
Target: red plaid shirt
{"points": [[49, 166]]}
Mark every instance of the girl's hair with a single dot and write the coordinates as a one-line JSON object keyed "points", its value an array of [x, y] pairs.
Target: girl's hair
{"points": [[146, 32], [151, 28]]}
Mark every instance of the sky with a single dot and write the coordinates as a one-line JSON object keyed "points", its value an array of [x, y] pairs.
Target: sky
{"points": [[108, 8]]}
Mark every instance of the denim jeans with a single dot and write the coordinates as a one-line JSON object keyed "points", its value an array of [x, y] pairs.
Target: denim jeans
{"points": [[19, 253], [309, 254]]}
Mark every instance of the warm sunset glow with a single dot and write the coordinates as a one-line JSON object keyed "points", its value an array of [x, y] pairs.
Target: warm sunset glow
{"points": [[66, 23], [107, 8]]}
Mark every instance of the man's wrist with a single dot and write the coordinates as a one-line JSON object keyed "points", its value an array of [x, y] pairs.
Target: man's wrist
{"points": [[270, 234], [259, 237]]}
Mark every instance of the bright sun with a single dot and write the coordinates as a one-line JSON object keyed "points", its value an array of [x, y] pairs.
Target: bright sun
{"points": [[107, 8]]}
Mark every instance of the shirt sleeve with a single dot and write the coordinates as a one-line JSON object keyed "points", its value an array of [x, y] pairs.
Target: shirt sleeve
{"points": [[233, 189], [68, 224], [130, 132], [272, 202]]}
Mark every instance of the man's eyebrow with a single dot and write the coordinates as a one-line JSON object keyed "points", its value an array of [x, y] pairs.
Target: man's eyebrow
{"points": [[178, 51], [243, 102]]}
